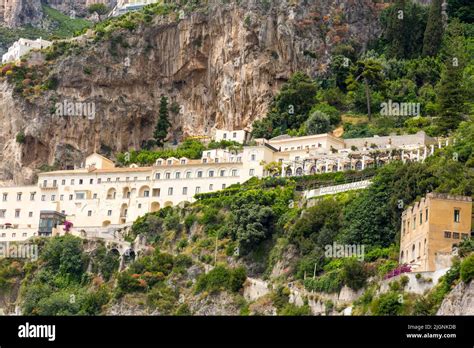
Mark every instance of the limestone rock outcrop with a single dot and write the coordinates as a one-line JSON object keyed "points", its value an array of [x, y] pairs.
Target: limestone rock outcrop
{"points": [[460, 301]]}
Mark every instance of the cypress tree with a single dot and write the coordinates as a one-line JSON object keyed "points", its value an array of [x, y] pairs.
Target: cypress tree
{"points": [[434, 30], [163, 124], [451, 90]]}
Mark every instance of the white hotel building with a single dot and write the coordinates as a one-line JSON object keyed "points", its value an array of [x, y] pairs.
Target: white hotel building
{"points": [[103, 196], [22, 47]]}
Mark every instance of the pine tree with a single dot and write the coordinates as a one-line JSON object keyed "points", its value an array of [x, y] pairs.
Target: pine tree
{"points": [[163, 124], [434, 30], [451, 90]]}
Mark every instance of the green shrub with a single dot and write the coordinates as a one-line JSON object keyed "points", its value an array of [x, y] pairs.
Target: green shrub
{"points": [[467, 269], [354, 274], [221, 278], [387, 304], [20, 138], [293, 310]]}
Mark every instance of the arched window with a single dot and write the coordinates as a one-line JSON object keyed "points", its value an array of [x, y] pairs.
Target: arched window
{"points": [[299, 171]]}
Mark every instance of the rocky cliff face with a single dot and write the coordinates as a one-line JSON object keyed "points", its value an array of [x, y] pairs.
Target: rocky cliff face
{"points": [[460, 301], [219, 67], [17, 13]]}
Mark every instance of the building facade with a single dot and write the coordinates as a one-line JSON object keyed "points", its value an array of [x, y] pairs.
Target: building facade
{"points": [[101, 195], [22, 47], [125, 6], [431, 228]]}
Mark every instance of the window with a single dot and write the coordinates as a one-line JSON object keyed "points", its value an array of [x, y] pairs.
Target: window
{"points": [[140, 206], [18, 196], [421, 217], [45, 183], [89, 213], [72, 181], [222, 172], [61, 198], [464, 236], [183, 161], [216, 160], [447, 234], [204, 160], [211, 173], [91, 181], [94, 196], [170, 191], [24, 234], [178, 175], [2, 213], [109, 179], [32, 196], [80, 195], [53, 197], [414, 222], [157, 176], [168, 175], [225, 135], [223, 186], [160, 162], [109, 213], [457, 215], [185, 190], [211, 187], [99, 180], [43, 198], [146, 193], [188, 175], [5, 197], [252, 172], [234, 135], [17, 213], [117, 179], [426, 215], [71, 197], [253, 157], [63, 182], [199, 174], [156, 192], [170, 162], [455, 235], [198, 189], [30, 214], [234, 172]]}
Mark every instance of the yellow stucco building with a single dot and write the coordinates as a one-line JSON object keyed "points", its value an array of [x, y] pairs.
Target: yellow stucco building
{"points": [[431, 228]]}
